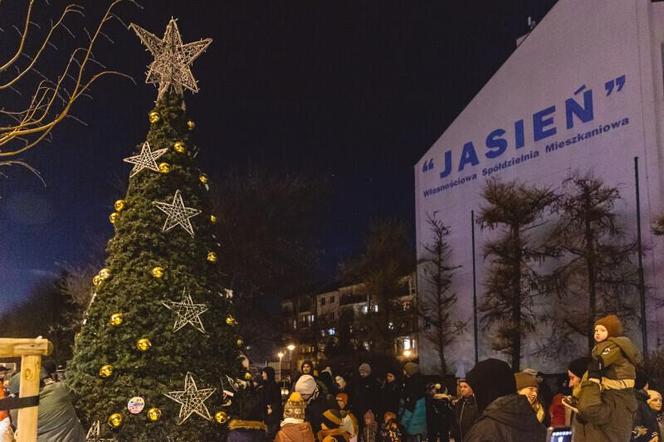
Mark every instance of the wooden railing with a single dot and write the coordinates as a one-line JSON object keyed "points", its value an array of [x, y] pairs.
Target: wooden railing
{"points": [[30, 351]]}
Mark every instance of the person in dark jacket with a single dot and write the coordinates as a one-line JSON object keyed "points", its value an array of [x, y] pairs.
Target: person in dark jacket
{"points": [[390, 393], [645, 428], [505, 416], [271, 396], [247, 423], [465, 410], [412, 415], [365, 392], [316, 403], [439, 413]]}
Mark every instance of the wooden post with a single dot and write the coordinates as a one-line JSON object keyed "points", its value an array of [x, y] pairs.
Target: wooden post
{"points": [[30, 351]]}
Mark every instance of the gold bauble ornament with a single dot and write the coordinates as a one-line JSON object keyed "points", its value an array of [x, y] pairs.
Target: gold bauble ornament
{"points": [[96, 280], [119, 205], [154, 117], [213, 219], [247, 376], [191, 125], [157, 272], [104, 274], [164, 168], [106, 371], [230, 320], [212, 257], [116, 319], [143, 344], [203, 178], [115, 420], [239, 342], [221, 417], [113, 217], [180, 147], [154, 414]]}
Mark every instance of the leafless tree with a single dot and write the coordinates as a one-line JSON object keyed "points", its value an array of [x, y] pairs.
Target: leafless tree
{"points": [[437, 297], [44, 97]]}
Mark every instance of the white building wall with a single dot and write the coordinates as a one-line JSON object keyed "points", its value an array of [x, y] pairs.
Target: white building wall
{"points": [[581, 51]]}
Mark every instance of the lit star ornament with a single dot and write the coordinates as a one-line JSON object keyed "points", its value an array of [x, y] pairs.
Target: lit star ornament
{"points": [[147, 159], [191, 399], [187, 312], [178, 214], [172, 59]]}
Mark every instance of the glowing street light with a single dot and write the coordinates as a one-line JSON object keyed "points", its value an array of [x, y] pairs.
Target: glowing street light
{"points": [[290, 347]]}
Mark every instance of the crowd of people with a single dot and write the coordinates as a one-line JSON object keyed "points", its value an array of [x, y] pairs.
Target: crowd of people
{"points": [[604, 397]]}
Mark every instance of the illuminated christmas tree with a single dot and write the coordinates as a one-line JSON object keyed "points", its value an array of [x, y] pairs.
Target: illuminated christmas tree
{"points": [[160, 335]]}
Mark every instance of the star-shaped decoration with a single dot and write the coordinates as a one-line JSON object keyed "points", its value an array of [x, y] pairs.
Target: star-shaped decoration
{"points": [[178, 214], [172, 59], [94, 434], [147, 159], [187, 312], [191, 399]]}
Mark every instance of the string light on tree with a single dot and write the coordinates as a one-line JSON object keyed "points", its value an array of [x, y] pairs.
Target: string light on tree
{"points": [[177, 214], [191, 399], [187, 312], [146, 159]]}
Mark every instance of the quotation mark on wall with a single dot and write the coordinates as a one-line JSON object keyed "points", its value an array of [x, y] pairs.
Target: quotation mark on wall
{"points": [[427, 166], [612, 84]]}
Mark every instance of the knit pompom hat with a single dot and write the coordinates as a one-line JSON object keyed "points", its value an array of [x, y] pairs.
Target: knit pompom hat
{"points": [[612, 324], [295, 406]]}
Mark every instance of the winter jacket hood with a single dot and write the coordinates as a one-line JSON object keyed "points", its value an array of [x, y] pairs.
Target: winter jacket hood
{"points": [[507, 419]]}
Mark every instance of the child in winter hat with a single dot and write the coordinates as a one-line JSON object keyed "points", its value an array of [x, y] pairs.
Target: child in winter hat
{"points": [[293, 427], [614, 357]]}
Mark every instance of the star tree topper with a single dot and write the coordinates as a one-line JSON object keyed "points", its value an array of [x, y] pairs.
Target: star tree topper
{"points": [[191, 399], [172, 59], [147, 159], [178, 214], [187, 312]]}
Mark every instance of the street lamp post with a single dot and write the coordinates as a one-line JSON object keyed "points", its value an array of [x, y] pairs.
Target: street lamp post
{"points": [[290, 348], [281, 355]]}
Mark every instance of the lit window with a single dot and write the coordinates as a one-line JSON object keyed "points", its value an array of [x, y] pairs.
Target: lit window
{"points": [[365, 309], [407, 345], [374, 308], [294, 324]]}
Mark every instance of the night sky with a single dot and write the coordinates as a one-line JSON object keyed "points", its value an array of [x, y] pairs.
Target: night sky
{"points": [[355, 91]]}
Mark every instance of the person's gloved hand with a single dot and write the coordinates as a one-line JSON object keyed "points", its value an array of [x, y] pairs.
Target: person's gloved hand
{"points": [[595, 368]]}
